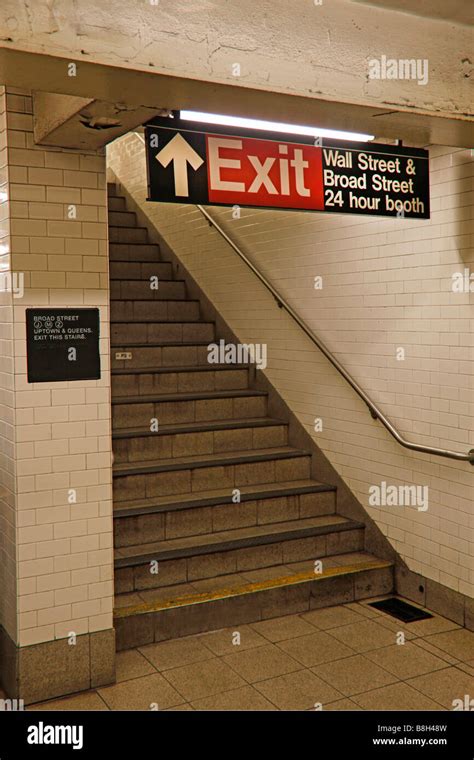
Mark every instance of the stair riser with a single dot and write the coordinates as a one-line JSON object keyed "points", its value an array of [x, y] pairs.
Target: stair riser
{"points": [[132, 252], [155, 356], [116, 203], [130, 270], [170, 332], [149, 485], [128, 234], [138, 630], [155, 447], [183, 382], [122, 218], [200, 567], [159, 311], [131, 531], [198, 410], [133, 289]]}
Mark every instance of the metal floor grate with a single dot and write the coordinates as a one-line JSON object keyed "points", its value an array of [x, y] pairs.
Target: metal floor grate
{"points": [[401, 610]]}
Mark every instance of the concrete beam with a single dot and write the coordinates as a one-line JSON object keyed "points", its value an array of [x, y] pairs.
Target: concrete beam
{"points": [[74, 122], [156, 91]]}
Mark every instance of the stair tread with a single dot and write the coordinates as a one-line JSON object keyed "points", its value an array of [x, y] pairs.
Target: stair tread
{"points": [[182, 594], [131, 227], [157, 344], [193, 427], [236, 538], [145, 279], [119, 299], [218, 496], [208, 460], [156, 397], [184, 368]]}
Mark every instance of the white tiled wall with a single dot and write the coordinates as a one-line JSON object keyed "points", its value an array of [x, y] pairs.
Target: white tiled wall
{"points": [[8, 617], [62, 434], [386, 284]]}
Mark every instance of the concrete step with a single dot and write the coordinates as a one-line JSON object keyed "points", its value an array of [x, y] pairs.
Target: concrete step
{"points": [[122, 218], [154, 311], [192, 606], [143, 355], [172, 441], [171, 380], [251, 548], [129, 252], [171, 408], [144, 290], [112, 190], [140, 270], [128, 234], [139, 522], [160, 333], [116, 203], [142, 480]]}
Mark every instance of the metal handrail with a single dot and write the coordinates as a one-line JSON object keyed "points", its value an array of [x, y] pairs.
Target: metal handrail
{"points": [[374, 410]]}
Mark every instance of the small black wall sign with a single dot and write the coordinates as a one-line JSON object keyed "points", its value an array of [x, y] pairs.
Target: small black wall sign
{"points": [[62, 344]]}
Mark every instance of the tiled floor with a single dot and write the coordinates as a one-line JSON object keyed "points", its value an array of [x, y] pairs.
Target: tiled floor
{"points": [[343, 658]]}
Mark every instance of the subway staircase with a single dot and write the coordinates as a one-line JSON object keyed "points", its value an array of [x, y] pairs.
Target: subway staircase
{"points": [[190, 556]]}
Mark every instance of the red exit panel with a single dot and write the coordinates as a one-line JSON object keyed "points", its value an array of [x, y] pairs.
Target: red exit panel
{"points": [[254, 172]]}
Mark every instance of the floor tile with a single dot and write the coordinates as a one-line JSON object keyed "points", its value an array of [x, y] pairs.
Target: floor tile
{"points": [[429, 647], [363, 609], [88, 701], [459, 643], [445, 686], [397, 626], [172, 654], [342, 704], [354, 675], [204, 679], [364, 636], [466, 667], [131, 664], [315, 648], [141, 694], [261, 663], [245, 698], [297, 691], [397, 696], [406, 660], [332, 617], [281, 628], [436, 624], [222, 642]]}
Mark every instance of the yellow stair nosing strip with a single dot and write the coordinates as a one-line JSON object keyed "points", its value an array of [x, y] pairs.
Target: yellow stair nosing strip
{"points": [[210, 596]]}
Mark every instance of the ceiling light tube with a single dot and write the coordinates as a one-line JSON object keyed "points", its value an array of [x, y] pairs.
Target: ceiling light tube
{"points": [[272, 126]]}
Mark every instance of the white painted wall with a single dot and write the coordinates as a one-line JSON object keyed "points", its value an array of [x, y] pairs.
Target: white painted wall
{"points": [[387, 284]]}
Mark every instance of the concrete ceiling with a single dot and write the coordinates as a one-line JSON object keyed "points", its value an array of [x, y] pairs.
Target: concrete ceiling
{"points": [[457, 11]]}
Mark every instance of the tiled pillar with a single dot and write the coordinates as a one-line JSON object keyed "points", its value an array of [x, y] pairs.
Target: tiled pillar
{"points": [[56, 547]]}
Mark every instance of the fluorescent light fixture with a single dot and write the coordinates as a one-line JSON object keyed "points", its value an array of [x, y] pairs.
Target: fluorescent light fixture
{"points": [[272, 126]]}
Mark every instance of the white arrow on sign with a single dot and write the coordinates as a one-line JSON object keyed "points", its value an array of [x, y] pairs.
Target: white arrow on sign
{"points": [[181, 154]]}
